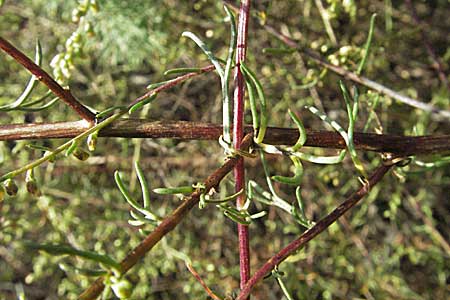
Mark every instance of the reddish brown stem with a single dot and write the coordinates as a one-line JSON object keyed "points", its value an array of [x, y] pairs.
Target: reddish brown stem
{"points": [[320, 226], [172, 83], [168, 224], [43, 76], [140, 128], [238, 133], [200, 280]]}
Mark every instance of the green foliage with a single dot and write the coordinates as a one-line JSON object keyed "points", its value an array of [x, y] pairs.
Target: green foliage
{"points": [[392, 246]]}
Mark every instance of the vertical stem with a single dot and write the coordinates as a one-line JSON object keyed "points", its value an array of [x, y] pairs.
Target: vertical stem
{"points": [[238, 134]]}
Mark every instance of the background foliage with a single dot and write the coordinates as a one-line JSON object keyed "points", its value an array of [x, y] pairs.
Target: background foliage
{"points": [[392, 246]]}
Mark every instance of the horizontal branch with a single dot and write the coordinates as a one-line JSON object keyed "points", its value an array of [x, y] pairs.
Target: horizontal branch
{"points": [[168, 224], [141, 128], [43, 76]]}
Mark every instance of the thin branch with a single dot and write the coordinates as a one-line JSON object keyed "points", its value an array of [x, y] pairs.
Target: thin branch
{"points": [[200, 280], [43, 76], [168, 224], [437, 63], [326, 22], [172, 83], [359, 79], [308, 235], [439, 113], [142, 128]]}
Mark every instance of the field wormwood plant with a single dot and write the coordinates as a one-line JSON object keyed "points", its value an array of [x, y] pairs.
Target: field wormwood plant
{"points": [[217, 179]]}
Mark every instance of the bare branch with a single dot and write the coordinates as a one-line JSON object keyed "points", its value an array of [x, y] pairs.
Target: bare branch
{"points": [[141, 128]]}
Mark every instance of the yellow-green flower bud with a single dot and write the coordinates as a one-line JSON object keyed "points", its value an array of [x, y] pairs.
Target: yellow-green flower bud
{"points": [[92, 141]]}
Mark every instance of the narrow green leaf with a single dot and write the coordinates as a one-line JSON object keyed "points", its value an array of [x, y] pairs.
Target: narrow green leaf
{"points": [[39, 108], [141, 103], [298, 173], [109, 110], [206, 50], [182, 71], [301, 129], [174, 190], [126, 194], [352, 114], [32, 83], [225, 199], [144, 185], [57, 249], [324, 160], [225, 82], [252, 101], [262, 100], [74, 145], [368, 44]]}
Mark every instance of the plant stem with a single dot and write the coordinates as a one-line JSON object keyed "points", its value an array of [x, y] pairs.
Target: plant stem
{"points": [[308, 235], [142, 128], [238, 133], [441, 114], [60, 149], [438, 113], [168, 224], [41, 75]]}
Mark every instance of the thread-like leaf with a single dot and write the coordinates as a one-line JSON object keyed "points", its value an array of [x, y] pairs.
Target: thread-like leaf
{"points": [[250, 76], [144, 185], [298, 173], [225, 80], [32, 83], [368, 44], [182, 71], [301, 130], [352, 112], [174, 190], [56, 249], [206, 50], [141, 103]]}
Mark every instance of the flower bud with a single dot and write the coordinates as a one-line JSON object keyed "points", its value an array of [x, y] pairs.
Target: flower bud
{"points": [[11, 187], [31, 184], [80, 154], [92, 141]]}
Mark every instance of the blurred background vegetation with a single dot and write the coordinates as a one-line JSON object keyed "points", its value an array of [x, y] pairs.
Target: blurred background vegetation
{"points": [[394, 245]]}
